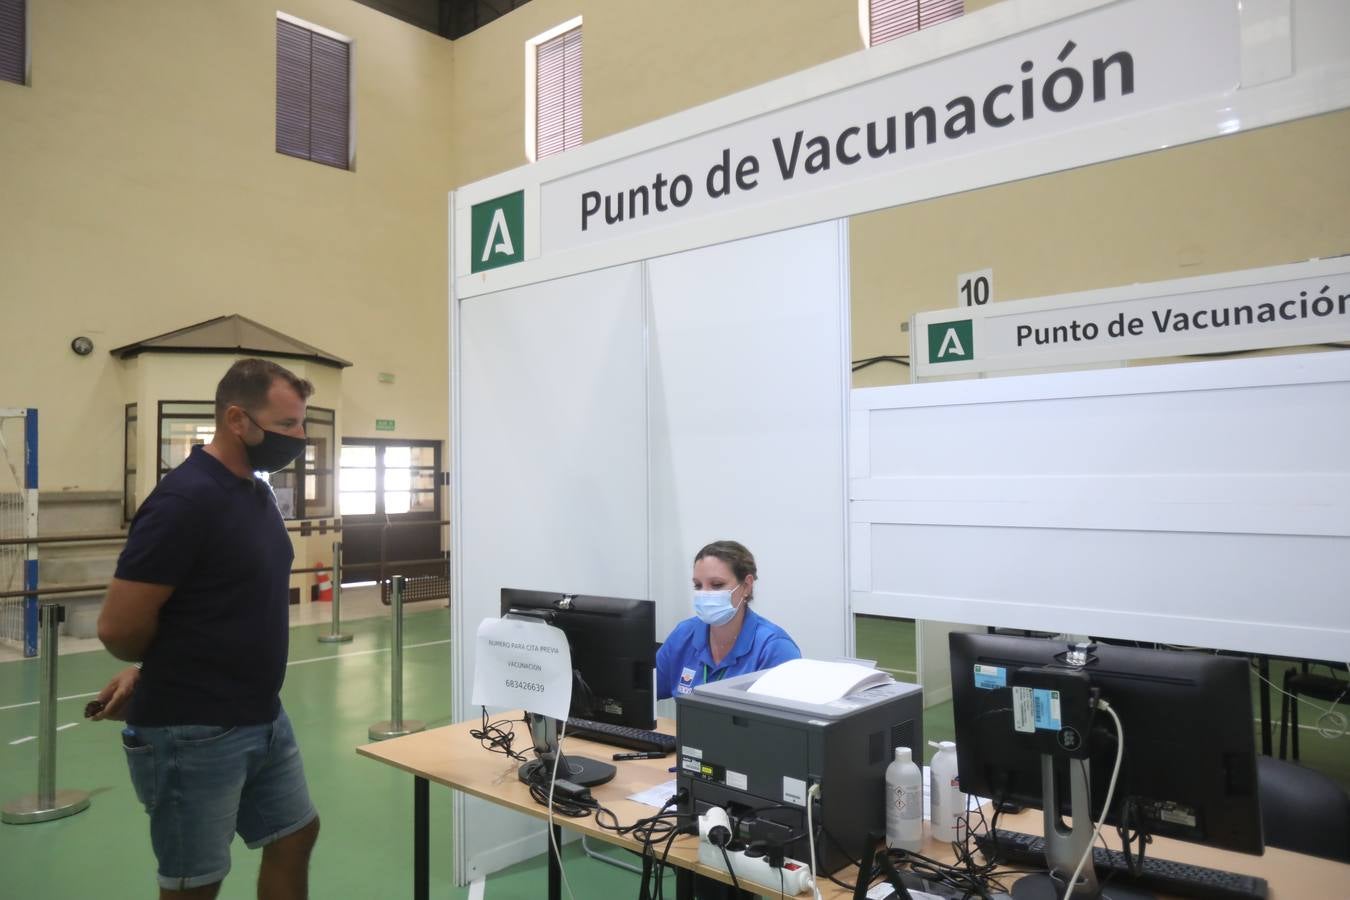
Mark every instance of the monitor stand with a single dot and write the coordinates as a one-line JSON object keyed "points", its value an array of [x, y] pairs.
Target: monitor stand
{"points": [[576, 769], [1064, 846]]}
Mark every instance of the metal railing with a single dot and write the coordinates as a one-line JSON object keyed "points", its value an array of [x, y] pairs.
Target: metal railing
{"points": [[304, 528]]}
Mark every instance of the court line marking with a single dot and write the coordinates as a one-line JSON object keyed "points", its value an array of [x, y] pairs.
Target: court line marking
{"points": [[294, 662]]}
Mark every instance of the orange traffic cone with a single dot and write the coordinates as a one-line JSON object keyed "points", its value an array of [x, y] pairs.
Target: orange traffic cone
{"points": [[325, 585]]}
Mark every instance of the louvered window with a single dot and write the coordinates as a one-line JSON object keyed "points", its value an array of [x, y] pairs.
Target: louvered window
{"points": [[889, 19], [558, 93], [313, 95], [14, 41]]}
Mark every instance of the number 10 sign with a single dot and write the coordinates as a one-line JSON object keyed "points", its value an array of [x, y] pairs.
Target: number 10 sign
{"points": [[975, 288]]}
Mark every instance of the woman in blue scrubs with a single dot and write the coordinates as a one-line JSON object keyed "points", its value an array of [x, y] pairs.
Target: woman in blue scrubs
{"points": [[724, 637]]}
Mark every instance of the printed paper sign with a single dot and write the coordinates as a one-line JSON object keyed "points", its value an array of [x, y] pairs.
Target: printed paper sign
{"points": [[525, 665]]}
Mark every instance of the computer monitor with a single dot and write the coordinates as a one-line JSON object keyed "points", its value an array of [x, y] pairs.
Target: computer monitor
{"points": [[1189, 764], [613, 647]]}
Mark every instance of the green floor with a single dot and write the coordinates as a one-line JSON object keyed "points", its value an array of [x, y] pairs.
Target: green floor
{"points": [[333, 694]]}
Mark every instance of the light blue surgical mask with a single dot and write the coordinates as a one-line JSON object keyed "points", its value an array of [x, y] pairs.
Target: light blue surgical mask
{"points": [[715, 607]]}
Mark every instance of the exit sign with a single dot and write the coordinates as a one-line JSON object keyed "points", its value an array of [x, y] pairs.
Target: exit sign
{"points": [[384, 424]]}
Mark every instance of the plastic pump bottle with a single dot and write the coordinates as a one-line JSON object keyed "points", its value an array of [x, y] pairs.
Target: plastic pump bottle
{"points": [[904, 802], [948, 801]]}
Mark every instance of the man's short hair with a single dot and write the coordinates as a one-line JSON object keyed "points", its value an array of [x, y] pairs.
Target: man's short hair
{"points": [[247, 382]]}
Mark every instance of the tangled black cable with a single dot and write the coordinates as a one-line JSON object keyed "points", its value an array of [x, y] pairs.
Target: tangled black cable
{"points": [[659, 866], [860, 364], [970, 884], [967, 875], [497, 737], [730, 871], [571, 807], [989, 872], [645, 831]]}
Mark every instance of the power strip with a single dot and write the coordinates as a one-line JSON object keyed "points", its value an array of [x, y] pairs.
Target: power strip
{"points": [[796, 877]]}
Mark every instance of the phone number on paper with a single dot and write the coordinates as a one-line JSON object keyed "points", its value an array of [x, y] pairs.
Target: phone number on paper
{"points": [[525, 685]]}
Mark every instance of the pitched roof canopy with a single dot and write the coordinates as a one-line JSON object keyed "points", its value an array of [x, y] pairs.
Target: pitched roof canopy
{"points": [[230, 334]]}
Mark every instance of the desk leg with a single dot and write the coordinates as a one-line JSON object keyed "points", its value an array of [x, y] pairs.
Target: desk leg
{"points": [[684, 884], [421, 839], [1264, 663], [555, 865]]}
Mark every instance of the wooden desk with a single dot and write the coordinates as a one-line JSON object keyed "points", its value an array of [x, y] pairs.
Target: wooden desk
{"points": [[449, 756]]}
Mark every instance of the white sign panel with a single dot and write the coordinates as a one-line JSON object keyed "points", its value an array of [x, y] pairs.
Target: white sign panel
{"points": [[1103, 65], [1280, 306], [522, 665]]}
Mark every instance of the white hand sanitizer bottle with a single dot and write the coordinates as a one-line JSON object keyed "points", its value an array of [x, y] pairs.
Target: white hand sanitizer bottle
{"points": [[904, 802], [948, 802]]}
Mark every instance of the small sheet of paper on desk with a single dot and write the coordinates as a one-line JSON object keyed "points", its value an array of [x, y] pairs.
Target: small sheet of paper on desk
{"points": [[817, 681], [657, 796], [884, 891]]}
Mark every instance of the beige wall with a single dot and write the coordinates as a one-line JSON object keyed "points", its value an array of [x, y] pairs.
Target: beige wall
{"points": [[143, 193], [140, 166], [641, 60]]}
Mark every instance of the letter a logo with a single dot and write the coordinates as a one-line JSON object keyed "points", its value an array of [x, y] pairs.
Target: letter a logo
{"points": [[951, 341], [497, 232], [499, 237]]}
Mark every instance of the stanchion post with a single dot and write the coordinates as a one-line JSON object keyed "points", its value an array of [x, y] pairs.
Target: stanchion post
{"points": [[335, 635], [396, 726], [48, 803]]}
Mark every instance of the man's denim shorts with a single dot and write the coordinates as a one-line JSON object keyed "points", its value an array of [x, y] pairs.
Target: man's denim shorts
{"points": [[203, 783]]}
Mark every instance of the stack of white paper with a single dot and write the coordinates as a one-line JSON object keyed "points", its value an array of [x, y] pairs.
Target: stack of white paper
{"points": [[816, 681]]}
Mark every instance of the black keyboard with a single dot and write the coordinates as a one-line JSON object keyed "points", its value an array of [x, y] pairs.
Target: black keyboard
{"points": [[621, 736], [1161, 875]]}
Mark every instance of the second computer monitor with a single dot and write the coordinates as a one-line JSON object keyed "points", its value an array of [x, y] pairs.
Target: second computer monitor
{"points": [[1189, 768], [613, 645]]}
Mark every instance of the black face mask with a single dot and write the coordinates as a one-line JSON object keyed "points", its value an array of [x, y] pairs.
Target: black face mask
{"points": [[275, 452]]}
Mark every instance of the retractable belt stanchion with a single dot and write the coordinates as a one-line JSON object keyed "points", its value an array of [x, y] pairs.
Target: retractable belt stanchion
{"points": [[335, 635], [396, 726], [48, 803]]}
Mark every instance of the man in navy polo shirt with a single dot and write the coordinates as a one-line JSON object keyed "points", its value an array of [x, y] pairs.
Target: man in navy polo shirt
{"points": [[200, 602]]}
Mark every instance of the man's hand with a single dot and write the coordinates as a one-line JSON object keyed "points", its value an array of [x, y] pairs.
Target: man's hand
{"points": [[114, 697]]}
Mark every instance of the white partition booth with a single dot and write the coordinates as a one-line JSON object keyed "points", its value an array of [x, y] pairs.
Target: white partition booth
{"points": [[650, 351], [610, 423]]}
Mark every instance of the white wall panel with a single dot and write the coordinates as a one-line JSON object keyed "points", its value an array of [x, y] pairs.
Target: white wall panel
{"points": [[552, 477], [748, 361], [1202, 503], [610, 424]]}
